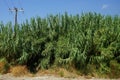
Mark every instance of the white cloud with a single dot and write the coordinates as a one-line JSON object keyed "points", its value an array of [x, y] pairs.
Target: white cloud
{"points": [[105, 6]]}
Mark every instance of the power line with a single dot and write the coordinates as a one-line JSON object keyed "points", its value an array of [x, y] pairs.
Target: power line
{"points": [[6, 3], [16, 10], [12, 3], [19, 2]]}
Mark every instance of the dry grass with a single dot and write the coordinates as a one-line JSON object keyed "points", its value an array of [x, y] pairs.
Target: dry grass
{"points": [[2, 64], [19, 71], [59, 72]]}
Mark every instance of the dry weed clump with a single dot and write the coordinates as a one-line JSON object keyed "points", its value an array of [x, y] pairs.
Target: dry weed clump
{"points": [[67, 73], [19, 70], [4, 66], [1, 66], [59, 72]]}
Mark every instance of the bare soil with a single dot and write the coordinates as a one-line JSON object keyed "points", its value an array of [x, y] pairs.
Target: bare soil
{"points": [[9, 76]]}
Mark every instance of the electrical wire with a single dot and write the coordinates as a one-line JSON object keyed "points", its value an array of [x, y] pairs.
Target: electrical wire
{"points": [[6, 3], [19, 2], [9, 3], [12, 3]]}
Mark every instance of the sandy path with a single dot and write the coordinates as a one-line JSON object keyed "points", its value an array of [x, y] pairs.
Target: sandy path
{"points": [[33, 78], [45, 77]]}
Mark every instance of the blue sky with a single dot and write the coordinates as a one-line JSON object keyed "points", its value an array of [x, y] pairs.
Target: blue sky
{"points": [[42, 8]]}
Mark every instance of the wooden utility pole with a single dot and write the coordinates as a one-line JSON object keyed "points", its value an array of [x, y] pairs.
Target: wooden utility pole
{"points": [[16, 13]]}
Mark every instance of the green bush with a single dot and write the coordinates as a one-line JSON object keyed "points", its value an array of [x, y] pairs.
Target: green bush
{"points": [[63, 40]]}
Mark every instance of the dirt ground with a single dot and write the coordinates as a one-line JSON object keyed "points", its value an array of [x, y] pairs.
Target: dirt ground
{"points": [[43, 77], [22, 73], [9, 76]]}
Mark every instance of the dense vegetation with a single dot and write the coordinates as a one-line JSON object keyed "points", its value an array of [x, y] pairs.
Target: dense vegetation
{"points": [[88, 42]]}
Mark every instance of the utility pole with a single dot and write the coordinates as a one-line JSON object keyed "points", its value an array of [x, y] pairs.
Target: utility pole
{"points": [[16, 13]]}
